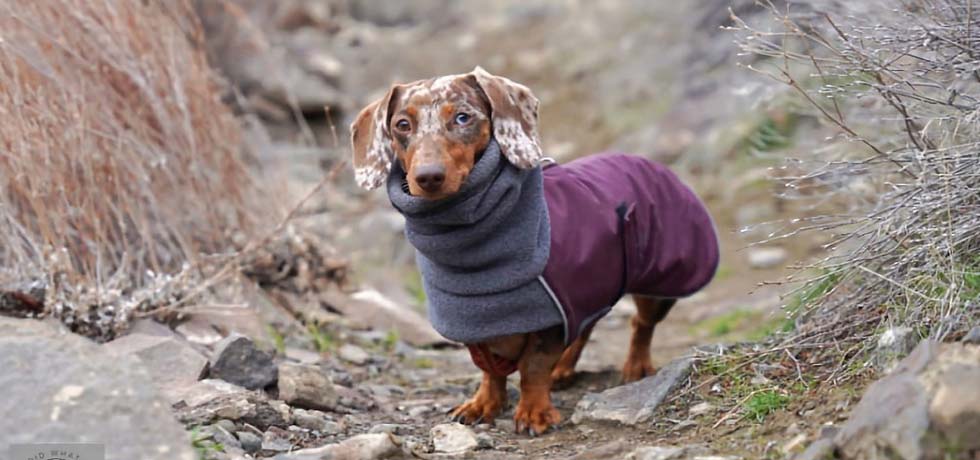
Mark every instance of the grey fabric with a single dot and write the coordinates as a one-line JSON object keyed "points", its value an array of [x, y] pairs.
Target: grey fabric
{"points": [[482, 250]]}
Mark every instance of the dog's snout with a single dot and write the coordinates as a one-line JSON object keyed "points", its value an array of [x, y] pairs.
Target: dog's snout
{"points": [[430, 177]]}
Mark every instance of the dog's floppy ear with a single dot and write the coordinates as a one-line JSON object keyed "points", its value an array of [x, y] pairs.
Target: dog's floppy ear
{"points": [[514, 118], [371, 142]]}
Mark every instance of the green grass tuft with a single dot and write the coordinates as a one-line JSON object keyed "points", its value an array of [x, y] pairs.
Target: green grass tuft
{"points": [[277, 339], [322, 339], [204, 445], [761, 404]]}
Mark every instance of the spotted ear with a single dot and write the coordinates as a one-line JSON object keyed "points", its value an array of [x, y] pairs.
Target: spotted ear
{"points": [[371, 142], [514, 118]]}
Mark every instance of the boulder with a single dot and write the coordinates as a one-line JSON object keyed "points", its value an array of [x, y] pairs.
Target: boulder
{"points": [[61, 387], [926, 406]]}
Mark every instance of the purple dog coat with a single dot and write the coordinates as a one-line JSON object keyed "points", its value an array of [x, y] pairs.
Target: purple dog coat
{"points": [[621, 224], [522, 250]]}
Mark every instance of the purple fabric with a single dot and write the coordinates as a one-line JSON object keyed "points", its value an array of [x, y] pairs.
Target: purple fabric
{"points": [[623, 224]]}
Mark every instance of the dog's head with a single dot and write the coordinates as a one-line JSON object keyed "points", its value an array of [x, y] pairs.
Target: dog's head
{"points": [[436, 128]]}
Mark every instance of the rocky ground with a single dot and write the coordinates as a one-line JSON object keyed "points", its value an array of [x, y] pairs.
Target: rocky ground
{"points": [[330, 356]]}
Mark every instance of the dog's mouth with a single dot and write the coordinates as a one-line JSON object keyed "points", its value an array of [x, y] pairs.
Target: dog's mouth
{"points": [[430, 196]]}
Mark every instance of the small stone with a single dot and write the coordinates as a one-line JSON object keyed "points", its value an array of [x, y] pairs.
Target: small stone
{"points": [[310, 419], [360, 447], [614, 449], [763, 258], [504, 424], [893, 345], [353, 354], [303, 356], [250, 442], [657, 453], [276, 440], [485, 441], [238, 360], [818, 450], [306, 387], [222, 436], [453, 438], [701, 409], [683, 425], [353, 399], [227, 425], [793, 444], [331, 427], [392, 428]]}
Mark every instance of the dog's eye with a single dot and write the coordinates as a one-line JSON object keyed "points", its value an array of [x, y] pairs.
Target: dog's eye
{"points": [[403, 125], [463, 118]]}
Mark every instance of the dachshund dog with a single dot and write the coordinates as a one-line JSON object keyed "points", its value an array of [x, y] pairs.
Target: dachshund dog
{"points": [[435, 131]]}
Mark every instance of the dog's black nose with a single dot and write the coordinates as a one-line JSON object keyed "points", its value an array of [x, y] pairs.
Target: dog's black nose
{"points": [[430, 177]]}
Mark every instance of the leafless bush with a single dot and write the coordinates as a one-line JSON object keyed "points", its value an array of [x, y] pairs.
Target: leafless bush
{"points": [[900, 81], [119, 165]]}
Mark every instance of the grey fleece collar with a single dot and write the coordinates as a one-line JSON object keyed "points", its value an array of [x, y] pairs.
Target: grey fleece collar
{"points": [[482, 250]]}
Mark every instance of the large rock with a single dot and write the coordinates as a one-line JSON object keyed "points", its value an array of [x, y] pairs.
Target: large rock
{"points": [[375, 446], [636, 402], [926, 406], [62, 387], [306, 386], [238, 360], [172, 362]]}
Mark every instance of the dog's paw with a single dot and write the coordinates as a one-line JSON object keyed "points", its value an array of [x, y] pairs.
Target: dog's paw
{"points": [[535, 417], [475, 412], [635, 370], [562, 378]]}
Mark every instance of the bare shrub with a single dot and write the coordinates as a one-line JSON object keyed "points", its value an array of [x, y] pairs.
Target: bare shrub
{"points": [[119, 164], [900, 81]]}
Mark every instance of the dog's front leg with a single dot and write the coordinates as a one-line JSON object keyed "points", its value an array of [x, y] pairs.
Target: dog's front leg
{"points": [[484, 406], [535, 414]]}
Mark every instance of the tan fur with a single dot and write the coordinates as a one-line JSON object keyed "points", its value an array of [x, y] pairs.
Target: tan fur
{"points": [[431, 105]]}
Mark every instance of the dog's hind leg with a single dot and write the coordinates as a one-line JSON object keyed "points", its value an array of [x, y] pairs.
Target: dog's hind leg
{"points": [[649, 312], [564, 372]]}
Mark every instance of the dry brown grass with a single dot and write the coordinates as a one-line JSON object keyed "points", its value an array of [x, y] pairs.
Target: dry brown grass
{"points": [[898, 80], [119, 163]]}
